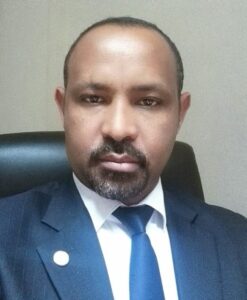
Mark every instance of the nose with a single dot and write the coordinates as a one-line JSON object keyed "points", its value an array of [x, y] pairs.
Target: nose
{"points": [[119, 121]]}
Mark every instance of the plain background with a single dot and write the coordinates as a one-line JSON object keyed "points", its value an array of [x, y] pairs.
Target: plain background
{"points": [[212, 38]]}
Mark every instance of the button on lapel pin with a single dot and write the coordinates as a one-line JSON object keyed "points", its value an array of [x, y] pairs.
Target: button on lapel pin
{"points": [[61, 258]]}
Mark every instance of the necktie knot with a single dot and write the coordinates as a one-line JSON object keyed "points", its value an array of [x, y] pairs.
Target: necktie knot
{"points": [[134, 218]]}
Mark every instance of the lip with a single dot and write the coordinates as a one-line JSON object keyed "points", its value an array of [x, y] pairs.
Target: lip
{"points": [[119, 162]]}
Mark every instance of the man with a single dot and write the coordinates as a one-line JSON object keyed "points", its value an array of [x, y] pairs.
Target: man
{"points": [[122, 105]]}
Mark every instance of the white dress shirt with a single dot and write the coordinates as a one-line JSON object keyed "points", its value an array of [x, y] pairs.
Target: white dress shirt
{"points": [[116, 243]]}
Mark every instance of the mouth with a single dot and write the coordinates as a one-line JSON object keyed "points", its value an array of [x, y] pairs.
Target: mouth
{"points": [[119, 163]]}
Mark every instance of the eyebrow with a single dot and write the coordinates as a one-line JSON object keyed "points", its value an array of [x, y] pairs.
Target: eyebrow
{"points": [[95, 86], [153, 87]]}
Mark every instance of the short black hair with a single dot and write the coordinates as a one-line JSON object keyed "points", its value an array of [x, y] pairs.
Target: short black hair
{"points": [[129, 22]]}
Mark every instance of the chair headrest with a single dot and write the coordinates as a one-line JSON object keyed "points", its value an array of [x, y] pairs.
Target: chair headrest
{"points": [[33, 158]]}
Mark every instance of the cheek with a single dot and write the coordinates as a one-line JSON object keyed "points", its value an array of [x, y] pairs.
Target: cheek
{"points": [[81, 136], [159, 140]]}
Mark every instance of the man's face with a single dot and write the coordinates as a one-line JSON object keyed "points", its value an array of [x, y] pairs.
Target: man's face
{"points": [[121, 110]]}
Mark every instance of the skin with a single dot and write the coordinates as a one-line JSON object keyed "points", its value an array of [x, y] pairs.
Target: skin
{"points": [[122, 90]]}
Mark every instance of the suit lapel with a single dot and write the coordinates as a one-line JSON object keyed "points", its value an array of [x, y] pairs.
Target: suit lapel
{"points": [[195, 255], [85, 276], [205, 259]]}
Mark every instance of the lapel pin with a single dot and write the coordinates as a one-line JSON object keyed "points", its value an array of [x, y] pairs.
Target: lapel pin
{"points": [[61, 258]]}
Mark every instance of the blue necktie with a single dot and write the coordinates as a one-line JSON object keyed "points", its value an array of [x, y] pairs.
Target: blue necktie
{"points": [[144, 281]]}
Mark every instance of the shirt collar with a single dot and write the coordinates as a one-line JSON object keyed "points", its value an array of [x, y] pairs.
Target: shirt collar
{"points": [[100, 208]]}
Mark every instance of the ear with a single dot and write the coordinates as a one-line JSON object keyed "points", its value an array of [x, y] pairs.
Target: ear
{"points": [[60, 100], [184, 106]]}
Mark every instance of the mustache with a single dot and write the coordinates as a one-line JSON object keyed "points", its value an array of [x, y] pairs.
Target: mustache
{"points": [[122, 147]]}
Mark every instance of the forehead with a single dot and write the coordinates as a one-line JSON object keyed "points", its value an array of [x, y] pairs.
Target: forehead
{"points": [[124, 48], [115, 36]]}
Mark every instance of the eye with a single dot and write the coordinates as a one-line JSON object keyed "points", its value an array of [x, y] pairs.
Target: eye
{"points": [[148, 102], [91, 99]]}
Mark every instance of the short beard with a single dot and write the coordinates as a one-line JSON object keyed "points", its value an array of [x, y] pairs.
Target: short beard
{"points": [[122, 186], [117, 185]]}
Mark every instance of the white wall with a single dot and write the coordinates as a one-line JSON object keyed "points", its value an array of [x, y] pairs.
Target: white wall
{"points": [[212, 37]]}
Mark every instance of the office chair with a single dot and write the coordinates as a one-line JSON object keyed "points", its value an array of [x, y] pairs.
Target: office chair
{"points": [[33, 158]]}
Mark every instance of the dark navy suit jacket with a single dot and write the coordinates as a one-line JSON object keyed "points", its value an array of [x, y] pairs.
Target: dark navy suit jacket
{"points": [[209, 247]]}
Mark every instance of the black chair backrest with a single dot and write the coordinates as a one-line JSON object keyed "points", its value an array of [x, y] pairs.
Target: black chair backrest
{"points": [[33, 158]]}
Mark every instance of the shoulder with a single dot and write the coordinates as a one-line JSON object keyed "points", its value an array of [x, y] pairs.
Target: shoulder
{"points": [[226, 222], [20, 198], [230, 232], [226, 226], [216, 219], [223, 218], [228, 229], [27, 205]]}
